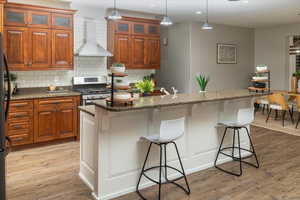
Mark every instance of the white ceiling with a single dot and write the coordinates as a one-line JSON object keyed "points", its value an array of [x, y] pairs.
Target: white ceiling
{"points": [[255, 13]]}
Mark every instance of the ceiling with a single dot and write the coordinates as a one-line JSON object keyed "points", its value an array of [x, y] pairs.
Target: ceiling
{"points": [[255, 13]]}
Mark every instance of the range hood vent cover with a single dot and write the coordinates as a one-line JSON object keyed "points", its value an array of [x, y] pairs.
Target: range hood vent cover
{"points": [[90, 47]]}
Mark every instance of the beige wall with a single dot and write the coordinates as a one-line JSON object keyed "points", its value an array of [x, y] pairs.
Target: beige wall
{"points": [[192, 51], [271, 48], [204, 54]]}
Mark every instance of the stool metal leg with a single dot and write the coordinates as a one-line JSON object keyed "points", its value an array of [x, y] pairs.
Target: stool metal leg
{"points": [[143, 168], [220, 147], [166, 171], [188, 191], [160, 170], [233, 145], [252, 147], [240, 154]]}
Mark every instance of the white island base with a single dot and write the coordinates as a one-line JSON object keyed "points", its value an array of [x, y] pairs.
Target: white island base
{"points": [[112, 153]]}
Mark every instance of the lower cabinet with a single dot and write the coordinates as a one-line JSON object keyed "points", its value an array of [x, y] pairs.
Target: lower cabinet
{"points": [[41, 120]]}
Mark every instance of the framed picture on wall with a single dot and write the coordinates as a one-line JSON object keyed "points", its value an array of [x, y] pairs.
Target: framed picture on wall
{"points": [[226, 54]]}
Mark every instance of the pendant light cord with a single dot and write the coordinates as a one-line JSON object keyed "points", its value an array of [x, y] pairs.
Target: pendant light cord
{"points": [[166, 7], [115, 6], [206, 11]]}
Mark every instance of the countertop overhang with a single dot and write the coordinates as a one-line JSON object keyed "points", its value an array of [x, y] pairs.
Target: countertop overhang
{"points": [[180, 99]]}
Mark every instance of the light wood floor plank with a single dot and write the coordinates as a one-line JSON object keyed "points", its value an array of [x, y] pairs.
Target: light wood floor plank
{"points": [[51, 173]]}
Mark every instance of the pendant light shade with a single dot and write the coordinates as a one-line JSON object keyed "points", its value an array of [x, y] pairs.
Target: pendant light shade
{"points": [[166, 21], [115, 15], [206, 25]]}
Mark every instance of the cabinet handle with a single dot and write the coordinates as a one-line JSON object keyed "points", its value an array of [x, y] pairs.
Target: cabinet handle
{"points": [[17, 126], [20, 105], [30, 63], [18, 139], [20, 115]]}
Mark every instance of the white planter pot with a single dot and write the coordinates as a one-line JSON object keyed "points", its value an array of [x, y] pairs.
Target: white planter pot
{"points": [[117, 69]]}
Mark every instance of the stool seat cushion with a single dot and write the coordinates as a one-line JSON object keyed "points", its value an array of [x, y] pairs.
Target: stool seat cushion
{"points": [[157, 139]]}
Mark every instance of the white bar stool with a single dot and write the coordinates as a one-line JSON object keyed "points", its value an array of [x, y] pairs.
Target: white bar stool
{"points": [[245, 117], [170, 130]]}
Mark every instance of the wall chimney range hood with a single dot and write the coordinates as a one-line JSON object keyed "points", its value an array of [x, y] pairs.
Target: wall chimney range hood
{"points": [[90, 46]]}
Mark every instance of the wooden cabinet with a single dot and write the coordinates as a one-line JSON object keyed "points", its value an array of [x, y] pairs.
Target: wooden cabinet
{"points": [[19, 127], [42, 120], [138, 51], [122, 49], [15, 17], [39, 19], [38, 38], [55, 118], [62, 49], [134, 42], [39, 51], [16, 46]]}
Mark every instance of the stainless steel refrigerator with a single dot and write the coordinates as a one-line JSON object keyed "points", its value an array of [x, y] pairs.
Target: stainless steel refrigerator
{"points": [[4, 108]]}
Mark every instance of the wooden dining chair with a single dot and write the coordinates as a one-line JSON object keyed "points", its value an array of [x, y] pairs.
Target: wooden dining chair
{"points": [[298, 109], [278, 103]]}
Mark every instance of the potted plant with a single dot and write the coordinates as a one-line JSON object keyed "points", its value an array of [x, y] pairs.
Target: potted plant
{"points": [[118, 68], [202, 81], [145, 86], [13, 77]]}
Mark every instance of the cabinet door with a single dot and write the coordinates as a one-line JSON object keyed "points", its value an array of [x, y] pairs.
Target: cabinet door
{"points": [[16, 49], [66, 120], [153, 29], [138, 52], [62, 49], [122, 49], [139, 28], [39, 49], [61, 21], [39, 19], [45, 124], [15, 17], [153, 53], [123, 27]]}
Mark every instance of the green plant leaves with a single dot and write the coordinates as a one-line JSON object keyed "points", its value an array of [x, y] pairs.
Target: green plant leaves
{"points": [[202, 81], [145, 86]]}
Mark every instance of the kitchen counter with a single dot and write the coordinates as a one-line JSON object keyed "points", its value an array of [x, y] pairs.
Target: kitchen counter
{"points": [[180, 99], [33, 93], [111, 136], [88, 109]]}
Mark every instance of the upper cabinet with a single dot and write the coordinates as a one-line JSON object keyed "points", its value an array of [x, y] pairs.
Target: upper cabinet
{"points": [[134, 42], [15, 17], [60, 21], [38, 38]]}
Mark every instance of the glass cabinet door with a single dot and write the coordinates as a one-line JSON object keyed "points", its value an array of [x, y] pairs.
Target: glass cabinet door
{"points": [[15, 17], [60, 21], [123, 27], [153, 29], [39, 19], [139, 28]]}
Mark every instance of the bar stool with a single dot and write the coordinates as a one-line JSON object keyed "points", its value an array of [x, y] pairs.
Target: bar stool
{"points": [[244, 117], [170, 130]]}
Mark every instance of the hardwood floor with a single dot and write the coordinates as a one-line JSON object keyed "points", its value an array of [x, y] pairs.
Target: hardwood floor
{"points": [[51, 173]]}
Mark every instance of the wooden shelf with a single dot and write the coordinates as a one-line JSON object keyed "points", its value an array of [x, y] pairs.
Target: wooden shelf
{"points": [[262, 72], [119, 74], [261, 81], [257, 89]]}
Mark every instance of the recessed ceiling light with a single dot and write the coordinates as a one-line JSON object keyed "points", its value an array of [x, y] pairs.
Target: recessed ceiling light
{"points": [[199, 12]]}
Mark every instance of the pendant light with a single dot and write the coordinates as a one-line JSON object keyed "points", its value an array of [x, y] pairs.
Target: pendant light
{"points": [[206, 25], [115, 15], [166, 21]]}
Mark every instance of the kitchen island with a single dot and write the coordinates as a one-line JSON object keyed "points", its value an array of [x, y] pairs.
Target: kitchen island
{"points": [[112, 152]]}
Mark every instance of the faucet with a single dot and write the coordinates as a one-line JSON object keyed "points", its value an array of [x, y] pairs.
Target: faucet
{"points": [[164, 91]]}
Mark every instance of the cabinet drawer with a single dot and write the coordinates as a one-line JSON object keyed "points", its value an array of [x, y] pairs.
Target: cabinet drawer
{"points": [[19, 126], [17, 106], [20, 116], [56, 101], [21, 139]]}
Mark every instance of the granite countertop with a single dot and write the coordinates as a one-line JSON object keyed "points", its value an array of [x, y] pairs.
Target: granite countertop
{"points": [[33, 93], [181, 99], [88, 109]]}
